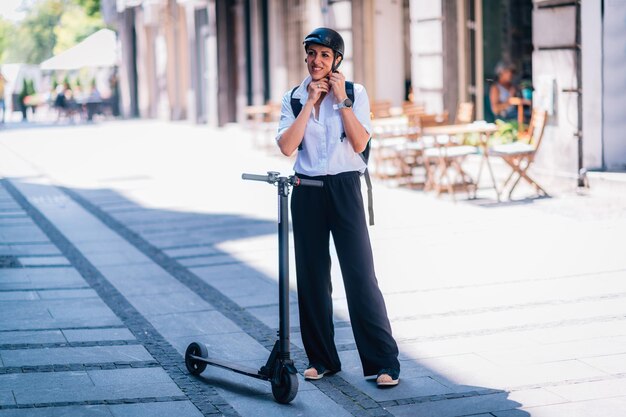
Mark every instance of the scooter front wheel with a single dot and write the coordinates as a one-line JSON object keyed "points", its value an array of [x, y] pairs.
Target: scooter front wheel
{"points": [[194, 366], [287, 387]]}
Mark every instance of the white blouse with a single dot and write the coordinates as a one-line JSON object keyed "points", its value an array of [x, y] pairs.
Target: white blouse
{"points": [[325, 149]]}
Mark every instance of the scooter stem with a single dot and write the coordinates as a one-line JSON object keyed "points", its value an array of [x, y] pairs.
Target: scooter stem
{"points": [[283, 267]]}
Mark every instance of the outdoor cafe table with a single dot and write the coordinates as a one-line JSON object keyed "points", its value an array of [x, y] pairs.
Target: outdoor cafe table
{"points": [[484, 131], [391, 127]]}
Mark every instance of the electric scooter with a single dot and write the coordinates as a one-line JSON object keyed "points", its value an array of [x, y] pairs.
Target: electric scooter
{"points": [[279, 369]]}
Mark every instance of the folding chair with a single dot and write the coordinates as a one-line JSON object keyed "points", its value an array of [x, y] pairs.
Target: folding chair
{"points": [[465, 113], [520, 155], [409, 108], [380, 109], [389, 144], [387, 161], [412, 151], [440, 157]]}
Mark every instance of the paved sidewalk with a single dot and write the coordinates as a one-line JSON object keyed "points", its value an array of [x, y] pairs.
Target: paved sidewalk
{"points": [[120, 243], [69, 343]]}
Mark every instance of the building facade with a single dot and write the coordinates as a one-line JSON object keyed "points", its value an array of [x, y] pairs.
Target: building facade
{"points": [[206, 60]]}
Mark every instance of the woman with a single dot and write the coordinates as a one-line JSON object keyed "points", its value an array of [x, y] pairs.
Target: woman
{"points": [[502, 91], [331, 132]]}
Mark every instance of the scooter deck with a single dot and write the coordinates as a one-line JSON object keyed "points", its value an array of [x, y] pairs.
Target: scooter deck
{"points": [[240, 369]]}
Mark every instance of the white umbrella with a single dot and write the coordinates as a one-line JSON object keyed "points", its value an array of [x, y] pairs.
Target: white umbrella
{"points": [[96, 50]]}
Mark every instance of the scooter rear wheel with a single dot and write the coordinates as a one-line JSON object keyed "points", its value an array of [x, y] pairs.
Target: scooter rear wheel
{"points": [[287, 388], [194, 366]]}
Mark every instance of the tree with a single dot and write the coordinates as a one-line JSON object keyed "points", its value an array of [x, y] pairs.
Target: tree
{"points": [[6, 30], [91, 7], [50, 26], [36, 33], [75, 25]]}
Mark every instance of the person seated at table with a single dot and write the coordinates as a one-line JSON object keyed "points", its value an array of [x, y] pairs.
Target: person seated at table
{"points": [[60, 101], [502, 92], [65, 102], [93, 103]]}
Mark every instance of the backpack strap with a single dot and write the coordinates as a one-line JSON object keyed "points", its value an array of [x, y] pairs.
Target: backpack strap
{"points": [[350, 90], [365, 156], [296, 106], [370, 196]]}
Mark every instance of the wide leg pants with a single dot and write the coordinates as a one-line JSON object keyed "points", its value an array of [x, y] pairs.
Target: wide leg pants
{"points": [[337, 208]]}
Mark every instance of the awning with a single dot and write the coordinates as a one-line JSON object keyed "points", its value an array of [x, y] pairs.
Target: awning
{"points": [[96, 50]]}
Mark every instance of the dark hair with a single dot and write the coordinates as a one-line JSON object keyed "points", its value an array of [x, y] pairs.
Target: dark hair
{"points": [[503, 66]]}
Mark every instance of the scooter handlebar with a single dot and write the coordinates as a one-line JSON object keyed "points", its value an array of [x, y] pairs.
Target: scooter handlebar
{"points": [[254, 177], [308, 183], [273, 178]]}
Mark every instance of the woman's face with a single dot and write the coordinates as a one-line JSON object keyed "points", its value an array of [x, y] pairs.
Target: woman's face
{"points": [[506, 76], [319, 61]]}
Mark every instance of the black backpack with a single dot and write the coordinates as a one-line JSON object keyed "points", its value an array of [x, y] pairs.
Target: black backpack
{"points": [[296, 107]]}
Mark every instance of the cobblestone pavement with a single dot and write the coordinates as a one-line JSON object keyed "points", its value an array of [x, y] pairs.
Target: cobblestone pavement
{"points": [[121, 243]]}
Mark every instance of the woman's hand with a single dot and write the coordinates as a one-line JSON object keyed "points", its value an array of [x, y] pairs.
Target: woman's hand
{"points": [[337, 82], [317, 88]]}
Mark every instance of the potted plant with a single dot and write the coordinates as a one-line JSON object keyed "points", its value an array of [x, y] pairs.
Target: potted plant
{"points": [[526, 88]]}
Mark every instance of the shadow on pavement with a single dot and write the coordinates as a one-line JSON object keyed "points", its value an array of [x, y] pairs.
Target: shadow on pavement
{"points": [[489, 203], [187, 246], [50, 124]]}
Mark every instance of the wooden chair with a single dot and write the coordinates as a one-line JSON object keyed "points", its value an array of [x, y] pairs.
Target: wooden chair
{"points": [[409, 109], [521, 154], [412, 153], [465, 113], [388, 138], [427, 120], [387, 158], [380, 109], [444, 156], [389, 153]]}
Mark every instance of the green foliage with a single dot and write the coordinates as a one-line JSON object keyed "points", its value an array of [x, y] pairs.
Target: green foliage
{"points": [[75, 25], [30, 89], [24, 90], [91, 7], [472, 139], [33, 39], [525, 84], [50, 26], [6, 35], [507, 131]]}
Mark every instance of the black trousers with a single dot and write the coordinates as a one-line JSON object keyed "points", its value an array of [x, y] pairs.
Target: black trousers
{"points": [[337, 208]]}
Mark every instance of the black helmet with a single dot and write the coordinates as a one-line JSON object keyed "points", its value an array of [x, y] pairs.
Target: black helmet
{"points": [[325, 37]]}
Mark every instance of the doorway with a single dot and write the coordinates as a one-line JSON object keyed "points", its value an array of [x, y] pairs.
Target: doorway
{"points": [[493, 32]]}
